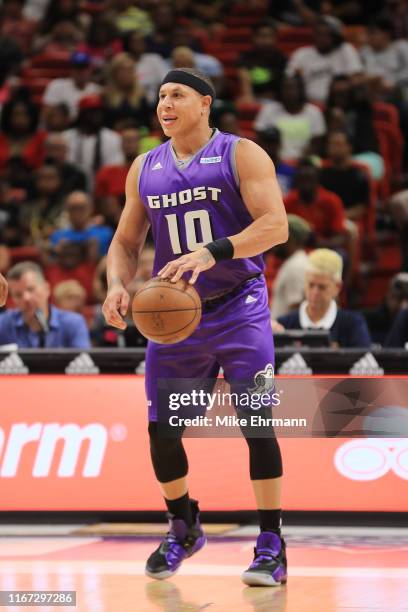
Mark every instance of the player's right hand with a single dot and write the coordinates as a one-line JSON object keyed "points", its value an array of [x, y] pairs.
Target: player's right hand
{"points": [[3, 290], [115, 307]]}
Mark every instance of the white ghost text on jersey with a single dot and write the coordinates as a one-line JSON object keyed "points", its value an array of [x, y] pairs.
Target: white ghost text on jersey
{"points": [[186, 196]]}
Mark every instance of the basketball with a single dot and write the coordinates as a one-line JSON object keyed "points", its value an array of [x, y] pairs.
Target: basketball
{"points": [[166, 312]]}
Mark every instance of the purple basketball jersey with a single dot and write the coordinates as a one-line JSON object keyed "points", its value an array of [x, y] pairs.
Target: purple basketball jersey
{"points": [[194, 202]]}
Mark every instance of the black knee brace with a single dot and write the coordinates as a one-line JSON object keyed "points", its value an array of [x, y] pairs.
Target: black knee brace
{"points": [[265, 460], [169, 458]]}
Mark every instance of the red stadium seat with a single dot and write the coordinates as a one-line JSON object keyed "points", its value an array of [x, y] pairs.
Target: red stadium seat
{"points": [[246, 125], [272, 265], [54, 60], [30, 72], [26, 253], [42, 69], [57, 62], [391, 148], [232, 81], [238, 47], [248, 133], [248, 110], [368, 222], [236, 21], [366, 225], [355, 35], [227, 58], [93, 8], [236, 35], [387, 113], [289, 39], [244, 8], [88, 313], [36, 86]]}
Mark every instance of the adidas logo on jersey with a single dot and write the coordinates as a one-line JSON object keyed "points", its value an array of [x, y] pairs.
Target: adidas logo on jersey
{"points": [[367, 365], [157, 166], [13, 364], [82, 364], [295, 366]]}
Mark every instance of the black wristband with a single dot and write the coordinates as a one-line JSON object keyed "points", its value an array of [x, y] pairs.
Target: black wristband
{"points": [[221, 249]]}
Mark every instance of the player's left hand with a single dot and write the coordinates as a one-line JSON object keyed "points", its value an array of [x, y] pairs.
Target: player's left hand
{"points": [[198, 261]]}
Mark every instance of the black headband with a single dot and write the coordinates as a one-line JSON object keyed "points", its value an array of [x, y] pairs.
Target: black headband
{"points": [[185, 78]]}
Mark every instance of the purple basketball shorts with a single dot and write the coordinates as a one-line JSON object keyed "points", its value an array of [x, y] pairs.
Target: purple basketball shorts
{"points": [[234, 334]]}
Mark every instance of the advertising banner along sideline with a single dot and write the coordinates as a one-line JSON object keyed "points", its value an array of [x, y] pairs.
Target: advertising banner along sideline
{"points": [[80, 443]]}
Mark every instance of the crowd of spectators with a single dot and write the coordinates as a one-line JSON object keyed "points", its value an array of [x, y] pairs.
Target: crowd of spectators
{"points": [[322, 86]]}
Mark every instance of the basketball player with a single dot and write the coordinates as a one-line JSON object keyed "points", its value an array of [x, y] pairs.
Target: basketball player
{"points": [[214, 206], [3, 290]]}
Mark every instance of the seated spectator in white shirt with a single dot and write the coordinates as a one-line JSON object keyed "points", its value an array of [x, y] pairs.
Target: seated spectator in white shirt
{"points": [[90, 145], [385, 58], [328, 57], [69, 91], [288, 288], [301, 124], [150, 67]]}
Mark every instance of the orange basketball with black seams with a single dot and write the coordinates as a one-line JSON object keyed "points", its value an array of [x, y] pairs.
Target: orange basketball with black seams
{"points": [[166, 312]]}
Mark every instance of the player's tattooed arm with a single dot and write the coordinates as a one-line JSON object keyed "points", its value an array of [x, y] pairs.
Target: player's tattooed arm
{"points": [[197, 262]]}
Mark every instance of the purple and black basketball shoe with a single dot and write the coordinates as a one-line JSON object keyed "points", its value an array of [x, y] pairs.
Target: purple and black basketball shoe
{"points": [[180, 542], [269, 567]]}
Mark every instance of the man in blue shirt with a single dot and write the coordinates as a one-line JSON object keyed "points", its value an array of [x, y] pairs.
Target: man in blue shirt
{"points": [[35, 323], [320, 311], [79, 209]]}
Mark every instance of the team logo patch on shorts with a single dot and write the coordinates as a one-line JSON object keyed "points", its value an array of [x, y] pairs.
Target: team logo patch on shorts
{"points": [[210, 160], [264, 380]]}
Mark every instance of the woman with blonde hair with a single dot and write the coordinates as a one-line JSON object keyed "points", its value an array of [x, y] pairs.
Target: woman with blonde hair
{"points": [[124, 97]]}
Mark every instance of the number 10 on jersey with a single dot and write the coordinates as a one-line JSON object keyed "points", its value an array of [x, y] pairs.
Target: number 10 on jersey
{"points": [[191, 217]]}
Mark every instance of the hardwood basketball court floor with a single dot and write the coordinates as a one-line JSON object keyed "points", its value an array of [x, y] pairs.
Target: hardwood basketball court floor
{"points": [[347, 569]]}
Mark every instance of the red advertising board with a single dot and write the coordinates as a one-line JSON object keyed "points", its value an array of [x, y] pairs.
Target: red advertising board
{"points": [[80, 443]]}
